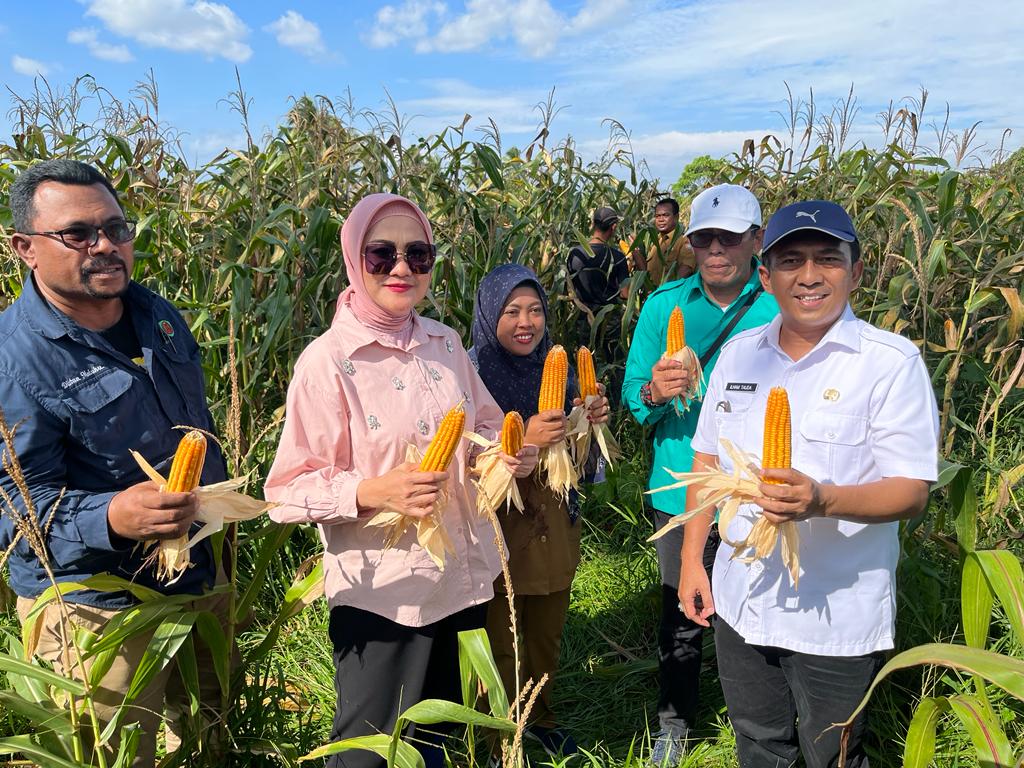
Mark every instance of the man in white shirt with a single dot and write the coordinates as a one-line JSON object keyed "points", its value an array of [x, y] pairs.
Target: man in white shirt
{"points": [[864, 445]]}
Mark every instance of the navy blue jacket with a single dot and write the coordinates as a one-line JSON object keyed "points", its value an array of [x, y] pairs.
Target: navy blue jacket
{"points": [[81, 406]]}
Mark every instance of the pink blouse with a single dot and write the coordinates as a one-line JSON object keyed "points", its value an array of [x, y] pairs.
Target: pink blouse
{"points": [[355, 401]]}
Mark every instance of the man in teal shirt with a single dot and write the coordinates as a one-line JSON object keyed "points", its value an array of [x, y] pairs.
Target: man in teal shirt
{"points": [[721, 299]]}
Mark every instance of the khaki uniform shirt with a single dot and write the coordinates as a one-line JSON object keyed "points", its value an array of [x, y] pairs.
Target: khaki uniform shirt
{"points": [[670, 257], [543, 545]]}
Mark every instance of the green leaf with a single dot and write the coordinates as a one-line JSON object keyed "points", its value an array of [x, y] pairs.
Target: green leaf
{"points": [[212, 634], [988, 738], [42, 716], [920, 745], [167, 639], [491, 164], [475, 652], [129, 745], [964, 502], [14, 744], [188, 667], [432, 711], [406, 756], [1003, 671], [1005, 578], [975, 602], [947, 471], [14, 666]]}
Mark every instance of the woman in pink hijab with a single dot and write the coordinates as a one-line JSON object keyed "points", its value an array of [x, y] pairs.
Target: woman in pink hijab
{"points": [[380, 378]]}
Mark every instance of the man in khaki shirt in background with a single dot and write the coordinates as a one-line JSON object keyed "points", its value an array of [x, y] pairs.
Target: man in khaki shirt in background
{"points": [[670, 257]]}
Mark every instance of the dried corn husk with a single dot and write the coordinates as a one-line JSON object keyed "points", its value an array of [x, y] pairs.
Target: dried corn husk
{"points": [[219, 504], [430, 530], [583, 432], [496, 486], [728, 492], [689, 359]]}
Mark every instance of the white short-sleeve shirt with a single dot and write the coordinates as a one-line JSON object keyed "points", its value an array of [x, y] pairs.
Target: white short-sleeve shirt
{"points": [[863, 409]]}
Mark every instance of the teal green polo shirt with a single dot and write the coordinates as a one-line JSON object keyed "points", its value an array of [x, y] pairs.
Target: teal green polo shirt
{"points": [[705, 320]]}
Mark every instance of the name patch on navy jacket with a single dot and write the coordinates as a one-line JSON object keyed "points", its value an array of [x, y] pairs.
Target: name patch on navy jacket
{"points": [[740, 386]]}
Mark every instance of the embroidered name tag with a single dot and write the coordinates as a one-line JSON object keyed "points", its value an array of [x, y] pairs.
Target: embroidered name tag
{"points": [[740, 386]]}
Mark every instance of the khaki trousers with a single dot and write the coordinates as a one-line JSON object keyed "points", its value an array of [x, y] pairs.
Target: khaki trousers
{"points": [[166, 693], [540, 620]]}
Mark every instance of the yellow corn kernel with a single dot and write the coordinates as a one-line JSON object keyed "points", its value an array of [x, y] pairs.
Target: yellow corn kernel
{"points": [[512, 433], [777, 432], [442, 447], [553, 381], [187, 466], [585, 373], [676, 337]]}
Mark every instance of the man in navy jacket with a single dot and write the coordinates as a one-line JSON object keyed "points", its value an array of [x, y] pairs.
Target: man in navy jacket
{"points": [[93, 365]]}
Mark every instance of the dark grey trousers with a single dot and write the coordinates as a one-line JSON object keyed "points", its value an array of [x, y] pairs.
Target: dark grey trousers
{"points": [[783, 703]]}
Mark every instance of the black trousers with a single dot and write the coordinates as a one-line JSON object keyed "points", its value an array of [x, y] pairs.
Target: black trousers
{"points": [[680, 641], [783, 703], [383, 668]]}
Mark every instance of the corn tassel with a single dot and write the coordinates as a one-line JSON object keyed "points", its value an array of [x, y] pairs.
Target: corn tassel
{"points": [[676, 337], [585, 373], [553, 380], [442, 448], [512, 433], [777, 433]]}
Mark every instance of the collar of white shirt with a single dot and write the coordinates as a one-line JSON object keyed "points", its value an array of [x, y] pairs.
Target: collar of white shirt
{"points": [[844, 332]]}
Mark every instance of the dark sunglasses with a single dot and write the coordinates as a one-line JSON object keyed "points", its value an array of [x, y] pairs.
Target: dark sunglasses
{"points": [[82, 236], [381, 257], [702, 237]]}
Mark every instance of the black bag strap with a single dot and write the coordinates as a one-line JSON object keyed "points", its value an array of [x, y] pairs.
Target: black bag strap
{"points": [[717, 343]]}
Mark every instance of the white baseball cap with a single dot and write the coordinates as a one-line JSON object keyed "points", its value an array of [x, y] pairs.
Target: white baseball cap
{"points": [[727, 206]]}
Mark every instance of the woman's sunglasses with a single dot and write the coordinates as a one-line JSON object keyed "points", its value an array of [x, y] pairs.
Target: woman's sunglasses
{"points": [[381, 257]]}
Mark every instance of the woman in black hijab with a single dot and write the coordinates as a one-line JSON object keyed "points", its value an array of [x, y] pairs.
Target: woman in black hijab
{"points": [[510, 342]]}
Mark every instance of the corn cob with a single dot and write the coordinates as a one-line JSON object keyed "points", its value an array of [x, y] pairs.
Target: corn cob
{"points": [[187, 465], [777, 435], [676, 338], [553, 381], [585, 372], [512, 433], [442, 447]]}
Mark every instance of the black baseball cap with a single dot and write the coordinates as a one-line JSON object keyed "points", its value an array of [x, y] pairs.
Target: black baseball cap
{"points": [[818, 215], [604, 217]]}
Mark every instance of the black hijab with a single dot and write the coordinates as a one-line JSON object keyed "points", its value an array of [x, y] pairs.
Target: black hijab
{"points": [[513, 380]]}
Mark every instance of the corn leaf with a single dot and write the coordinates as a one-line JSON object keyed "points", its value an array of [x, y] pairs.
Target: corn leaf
{"points": [[14, 666], [405, 756], [212, 633], [24, 745], [975, 602], [989, 741], [475, 655], [42, 716], [1005, 578], [167, 639], [189, 669], [433, 711], [920, 744]]}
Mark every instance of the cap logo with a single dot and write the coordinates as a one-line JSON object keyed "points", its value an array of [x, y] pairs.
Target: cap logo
{"points": [[714, 203], [811, 216]]}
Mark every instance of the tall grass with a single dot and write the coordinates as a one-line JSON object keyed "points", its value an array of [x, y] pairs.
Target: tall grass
{"points": [[247, 246]]}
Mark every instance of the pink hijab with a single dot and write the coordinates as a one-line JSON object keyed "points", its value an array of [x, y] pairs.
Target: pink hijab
{"points": [[364, 215]]}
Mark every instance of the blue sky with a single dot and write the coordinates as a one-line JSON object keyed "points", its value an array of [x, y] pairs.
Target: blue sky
{"points": [[684, 77]]}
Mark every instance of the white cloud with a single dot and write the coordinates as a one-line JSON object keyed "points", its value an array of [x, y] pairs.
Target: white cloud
{"points": [[188, 26], [449, 100], [295, 31], [89, 37], [534, 25], [26, 66], [398, 22]]}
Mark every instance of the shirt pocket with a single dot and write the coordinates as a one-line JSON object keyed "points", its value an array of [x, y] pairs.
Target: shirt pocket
{"points": [[833, 447], [103, 418]]}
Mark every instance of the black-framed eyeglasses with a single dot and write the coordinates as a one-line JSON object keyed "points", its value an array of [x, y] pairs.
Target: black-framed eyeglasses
{"points": [[703, 238], [381, 257], [78, 237]]}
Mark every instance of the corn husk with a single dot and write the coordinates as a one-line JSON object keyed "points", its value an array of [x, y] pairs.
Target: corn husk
{"points": [[557, 463], [430, 530], [584, 433], [690, 361], [728, 492], [219, 505], [496, 485]]}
